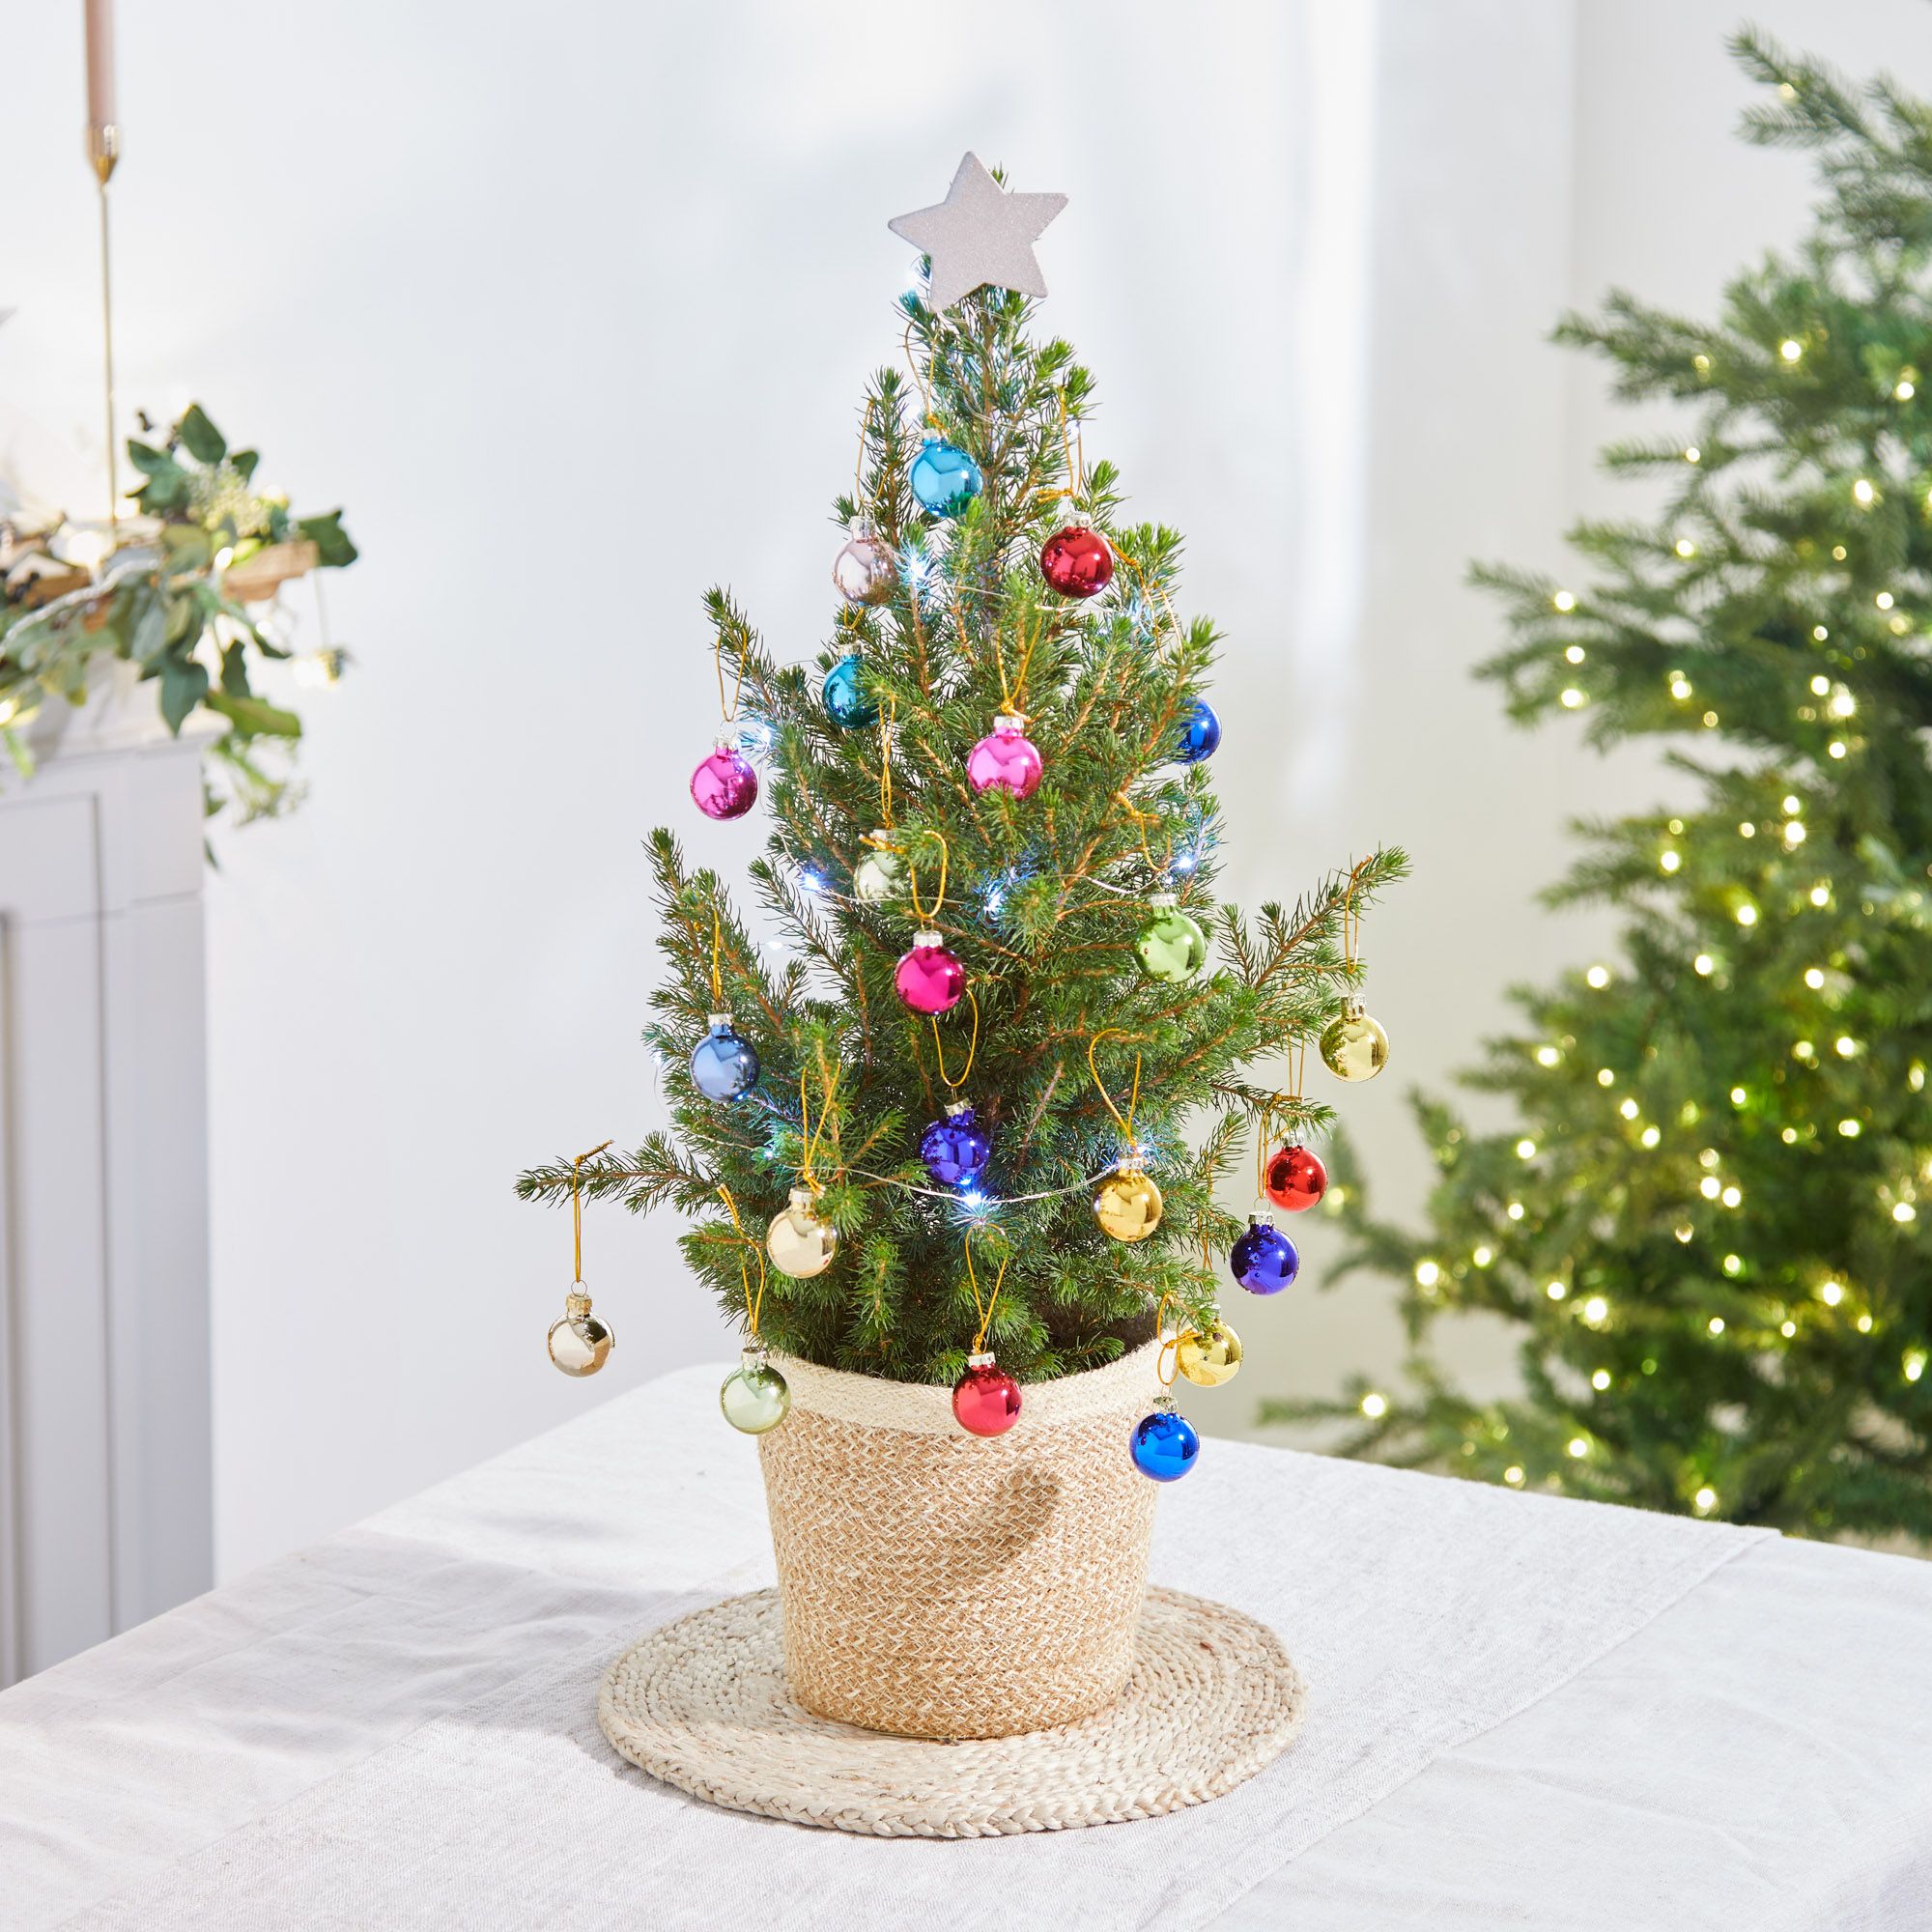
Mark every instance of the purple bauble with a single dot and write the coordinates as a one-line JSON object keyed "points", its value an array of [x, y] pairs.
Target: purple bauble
{"points": [[1263, 1259], [929, 978], [1006, 757], [726, 785], [954, 1149]]}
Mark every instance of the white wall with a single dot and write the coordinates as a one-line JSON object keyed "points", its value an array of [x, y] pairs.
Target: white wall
{"points": [[571, 309]]}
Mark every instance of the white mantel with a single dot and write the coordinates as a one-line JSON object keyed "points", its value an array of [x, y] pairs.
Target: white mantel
{"points": [[105, 1467]]}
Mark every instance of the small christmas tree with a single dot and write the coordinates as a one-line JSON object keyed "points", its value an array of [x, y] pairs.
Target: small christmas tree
{"points": [[1712, 1223], [991, 863]]}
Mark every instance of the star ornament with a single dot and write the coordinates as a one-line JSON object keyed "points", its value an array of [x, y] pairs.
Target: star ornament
{"points": [[980, 236]]}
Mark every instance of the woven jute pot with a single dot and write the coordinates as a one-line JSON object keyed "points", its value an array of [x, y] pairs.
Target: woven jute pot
{"points": [[943, 1585]]}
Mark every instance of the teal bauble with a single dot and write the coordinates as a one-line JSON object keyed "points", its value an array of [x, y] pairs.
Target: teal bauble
{"points": [[1171, 946], [843, 694], [754, 1398], [944, 477]]}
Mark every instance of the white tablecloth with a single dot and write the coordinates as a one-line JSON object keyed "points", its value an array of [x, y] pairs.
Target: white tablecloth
{"points": [[1524, 1712]]}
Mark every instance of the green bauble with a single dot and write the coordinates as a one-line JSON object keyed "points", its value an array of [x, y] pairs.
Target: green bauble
{"points": [[1170, 946], [879, 877], [755, 1396]]}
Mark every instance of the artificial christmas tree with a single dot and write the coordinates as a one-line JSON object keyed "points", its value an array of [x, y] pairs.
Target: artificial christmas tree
{"points": [[1709, 1221], [964, 1140]]}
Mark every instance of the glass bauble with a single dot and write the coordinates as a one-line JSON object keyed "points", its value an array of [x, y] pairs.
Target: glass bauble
{"points": [[1164, 1445], [726, 785], [944, 477], [879, 877], [1006, 757], [929, 978], [1170, 946], [985, 1399], [755, 1396], [1127, 1205], [865, 571], [1354, 1047], [1296, 1179], [724, 1064], [1076, 561], [799, 1240], [1200, 733], [843, 694], [1264, 1259], [955, 1151], [1210, 1356], [580, 1344]]}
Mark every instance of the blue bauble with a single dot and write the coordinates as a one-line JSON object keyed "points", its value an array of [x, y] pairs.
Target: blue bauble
{"points": [[944, 477], [1263, 1259], [1163, 1445], [1200, 733], [955, 1151], [724, 1064], [844, 695]]}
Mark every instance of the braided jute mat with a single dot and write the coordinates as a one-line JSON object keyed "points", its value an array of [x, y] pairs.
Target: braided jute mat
{"points": [[702, 1704]]}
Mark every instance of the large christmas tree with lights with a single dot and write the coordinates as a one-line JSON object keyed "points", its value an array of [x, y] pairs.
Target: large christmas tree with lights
{"points": [[1712, 1222], [968, 1086]]}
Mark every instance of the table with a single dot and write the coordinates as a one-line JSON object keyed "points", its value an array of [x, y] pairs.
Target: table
{"points": [[1674, 1724]]}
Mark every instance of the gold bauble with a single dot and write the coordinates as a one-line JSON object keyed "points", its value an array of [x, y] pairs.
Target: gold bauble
{"points": [[1354, 1047], [1210, 1356], [799, 1241], [1127, 1205], [580, 1344]]}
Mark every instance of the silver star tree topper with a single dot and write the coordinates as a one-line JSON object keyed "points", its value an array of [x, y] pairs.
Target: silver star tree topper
{"points": [[980, 236]]}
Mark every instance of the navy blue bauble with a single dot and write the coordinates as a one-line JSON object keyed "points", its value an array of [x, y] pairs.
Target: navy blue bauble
{"points": [[944, 477], [1263, 1259], [1200, 733], [724, 1064], [844, 695], [955, 1151], [1164, 1445]]}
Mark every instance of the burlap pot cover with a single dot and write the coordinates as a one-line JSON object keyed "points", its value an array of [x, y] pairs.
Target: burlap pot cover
{"points": [[944, 1585]]}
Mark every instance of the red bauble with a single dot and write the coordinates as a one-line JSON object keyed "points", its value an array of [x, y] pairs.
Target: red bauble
{"points": [[1076, 561], [985, 1399], [1296, 1179]]}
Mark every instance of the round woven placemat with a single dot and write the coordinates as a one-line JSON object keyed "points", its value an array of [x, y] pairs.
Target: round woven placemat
{"points": [[702, 1704]]}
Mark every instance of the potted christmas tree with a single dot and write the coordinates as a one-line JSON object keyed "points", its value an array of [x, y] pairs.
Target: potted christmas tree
{"points": [[953, 1163]]}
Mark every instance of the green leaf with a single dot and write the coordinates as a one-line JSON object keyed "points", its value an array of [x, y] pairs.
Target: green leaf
{"points": [[329, 536], [147, 635], [146, 458], [166, 488], [245, 461], [200, 437], [184, 685], [234, 670], [254, 719], [188, 549]]}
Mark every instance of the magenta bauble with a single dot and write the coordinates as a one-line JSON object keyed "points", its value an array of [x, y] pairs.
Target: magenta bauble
{"points": [[929, 978], [1006, 757], [1076, 561], [726, 785], [985, 1399]]}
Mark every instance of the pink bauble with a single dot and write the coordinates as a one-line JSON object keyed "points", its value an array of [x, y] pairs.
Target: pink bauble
{"points": [[985, 1399], [929, 978], [726, 785], [1006, 757]]}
